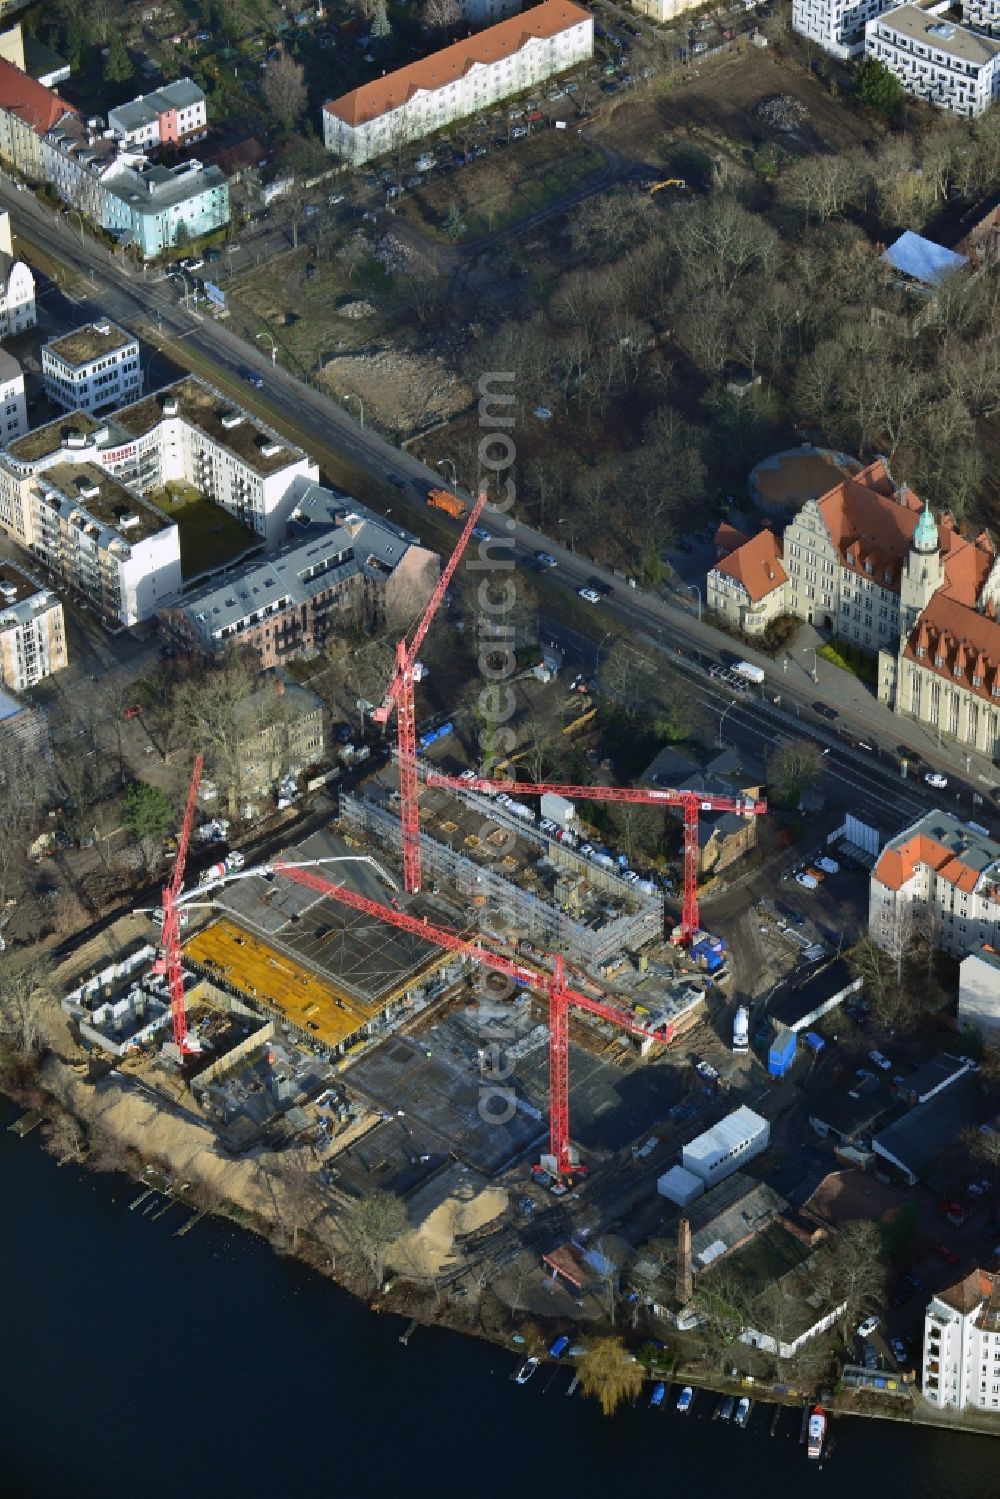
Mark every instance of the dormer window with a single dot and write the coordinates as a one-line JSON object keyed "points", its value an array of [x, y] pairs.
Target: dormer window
{"points": [[939, 660], [868, 567], [887, 576], [995, 689], [958, 670], [977, 681], [850, 559], [921, 652]]}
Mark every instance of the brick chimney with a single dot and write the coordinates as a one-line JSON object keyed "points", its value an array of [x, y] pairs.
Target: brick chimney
{"points": [[685, 1281], [279, 684]]}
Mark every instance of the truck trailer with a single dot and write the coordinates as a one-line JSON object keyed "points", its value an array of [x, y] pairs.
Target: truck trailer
{"points": [[443, 499]]}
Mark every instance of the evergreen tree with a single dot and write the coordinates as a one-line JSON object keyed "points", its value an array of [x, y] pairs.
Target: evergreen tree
{"points": [[381, 28], [119, 65]]}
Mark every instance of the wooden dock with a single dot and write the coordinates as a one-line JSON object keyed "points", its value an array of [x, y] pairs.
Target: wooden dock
{"points": [[405, 1337], [186, 1228], [27, 1122]]}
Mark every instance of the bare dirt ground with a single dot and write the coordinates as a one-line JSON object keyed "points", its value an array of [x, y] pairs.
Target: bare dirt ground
{"points": [[402, 391]]}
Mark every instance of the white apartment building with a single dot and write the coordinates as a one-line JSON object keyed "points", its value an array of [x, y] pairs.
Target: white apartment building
{"points": [[191, 433], [943, 873], [936, 59], [32, 630], [104, 541], [17, 287], [979, 993], [460, 80], [13, 408], [838, 26], [174, 113], [961, 1356], [984, 15], [94, 366]]}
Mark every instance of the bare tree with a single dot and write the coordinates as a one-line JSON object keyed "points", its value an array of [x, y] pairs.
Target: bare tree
{"points": [[25, 992], [284, 90], [22, 780], [794, 769], [64, 1139], [224, 715], [370, 1226], [851, 1271], [440, 15]]}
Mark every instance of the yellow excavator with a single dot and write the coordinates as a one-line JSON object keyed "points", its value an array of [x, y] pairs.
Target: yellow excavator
{"points": [[655, 187]]}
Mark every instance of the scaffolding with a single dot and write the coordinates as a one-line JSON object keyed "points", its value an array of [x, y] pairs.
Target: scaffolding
{"points": [[501, 907]]}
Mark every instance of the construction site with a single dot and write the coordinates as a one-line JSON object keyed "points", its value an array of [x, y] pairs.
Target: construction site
{"points": [[441, 993]]}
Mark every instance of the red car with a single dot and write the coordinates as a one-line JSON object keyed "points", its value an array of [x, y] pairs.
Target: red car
{"points": [[947, 1254], [136, 711]]}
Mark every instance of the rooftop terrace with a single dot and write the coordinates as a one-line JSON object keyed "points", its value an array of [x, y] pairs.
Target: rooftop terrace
{"points": [[255, 444], [91, 342], [107, 501]]}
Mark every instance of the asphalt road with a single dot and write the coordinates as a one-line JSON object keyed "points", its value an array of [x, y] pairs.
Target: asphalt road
{"points": [[151, 306]]}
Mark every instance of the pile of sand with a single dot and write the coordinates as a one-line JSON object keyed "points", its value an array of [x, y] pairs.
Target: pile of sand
{"points": [[461, 1207]]}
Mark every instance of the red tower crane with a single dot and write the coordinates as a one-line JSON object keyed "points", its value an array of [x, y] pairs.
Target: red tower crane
{"points": [[561, 997], [399, 696], [169, 961], [692, 802]]}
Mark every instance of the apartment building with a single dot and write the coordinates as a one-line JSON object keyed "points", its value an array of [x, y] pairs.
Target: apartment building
{"points": [[487, 12], [94, 366], [32, 630], [28, 111], [104, 541], [189, 432], [13, 408], [460, 80], [936, 59], [838, 26], [286, 728], [944, 874], [17, 287], [172, 114], [345, 568], [984, 15], [961, 1354]]}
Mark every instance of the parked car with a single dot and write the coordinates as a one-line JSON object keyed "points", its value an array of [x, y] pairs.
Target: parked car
{"points": [[191, 263], [880, 1061], [948, 1254], [867, 1327], [807, 881], [135, 711], [936, 779], [599, 586], [825, 711], [252, 378], [899, 1351], [518, 132], [546, 559], [590, 594], [828, 865], [481, 533]]}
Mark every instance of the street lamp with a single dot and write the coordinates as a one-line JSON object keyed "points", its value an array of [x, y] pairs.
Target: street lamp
{"points": [[815, 670], [562, 521], [696, 590], [722, 718], [597, 659], [75, 212], [351, 396], [274, 347], [454, 471]]}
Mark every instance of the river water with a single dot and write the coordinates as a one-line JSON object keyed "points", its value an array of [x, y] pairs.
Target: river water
{"points": [[139, 1364]]}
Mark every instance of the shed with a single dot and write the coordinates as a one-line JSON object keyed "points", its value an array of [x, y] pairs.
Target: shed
{"points": [[922, 260], [722, 1149]]}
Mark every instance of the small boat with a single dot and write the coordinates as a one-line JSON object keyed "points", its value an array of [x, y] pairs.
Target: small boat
{"points": [[684, 1400], [743, 1412], [726, 1408], [559, 1347], [526, 1370], [817, 1431], [657, 1397]]}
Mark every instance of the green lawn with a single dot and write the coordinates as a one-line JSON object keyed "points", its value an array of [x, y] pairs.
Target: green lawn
{"points": [[209, 536], [861, 664]]}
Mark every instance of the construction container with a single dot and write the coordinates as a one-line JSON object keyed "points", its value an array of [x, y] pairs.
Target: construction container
{"points": [[680, 1186], [558, 809], [782, 1051], [725, 1147]]}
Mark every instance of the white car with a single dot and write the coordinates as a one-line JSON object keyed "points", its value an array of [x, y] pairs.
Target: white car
{"points": [[936, 779], [467, 775], [707, 1071], [545, 559], [481, 533], [590, 594], [807, 881], [880, 1061], [867, 1326], [828, 865], [503, 800]]}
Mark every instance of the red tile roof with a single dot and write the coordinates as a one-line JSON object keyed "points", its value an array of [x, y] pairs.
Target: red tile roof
{"points": [[728, 538], [871, 523], [38, 106], [898, 863], [757, 565], [959, 643], [377, 98], [969, 1292]]}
